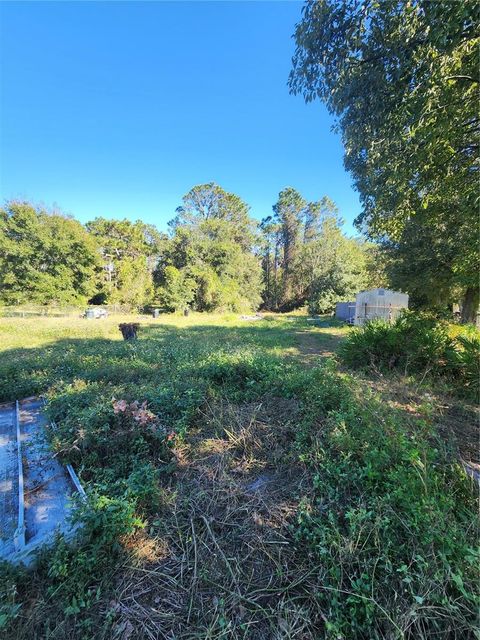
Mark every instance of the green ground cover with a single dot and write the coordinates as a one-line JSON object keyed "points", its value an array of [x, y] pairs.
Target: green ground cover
{"points": [[241, 484]]}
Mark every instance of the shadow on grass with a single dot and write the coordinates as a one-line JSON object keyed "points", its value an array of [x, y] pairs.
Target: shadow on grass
{"points": [[160, 350]]}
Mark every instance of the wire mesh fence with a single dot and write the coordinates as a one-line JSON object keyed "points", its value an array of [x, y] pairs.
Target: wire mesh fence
{"points": [[365, 312], [65, 311]]}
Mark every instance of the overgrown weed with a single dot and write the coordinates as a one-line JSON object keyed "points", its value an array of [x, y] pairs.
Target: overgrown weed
{"points": [[245, 496], [420, 344]]}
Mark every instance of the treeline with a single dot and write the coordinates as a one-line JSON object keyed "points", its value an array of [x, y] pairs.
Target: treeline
{"points": [[215, 256], [49, 258]]}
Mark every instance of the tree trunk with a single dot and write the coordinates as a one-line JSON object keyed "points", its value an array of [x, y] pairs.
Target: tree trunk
{"points": [[268, 288], [470, 305], [275, 277]]}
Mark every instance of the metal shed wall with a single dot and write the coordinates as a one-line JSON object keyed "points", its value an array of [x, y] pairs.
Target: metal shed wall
{"points": [[345, 311]]}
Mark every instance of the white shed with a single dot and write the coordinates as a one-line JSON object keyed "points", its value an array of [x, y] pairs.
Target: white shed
{"points": [[379, 303]]}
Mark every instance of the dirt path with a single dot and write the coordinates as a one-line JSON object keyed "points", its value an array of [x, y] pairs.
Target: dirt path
{"points": [[316, 343]]}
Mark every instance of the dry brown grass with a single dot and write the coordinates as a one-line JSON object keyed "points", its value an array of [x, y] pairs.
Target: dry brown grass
{"points": [[225, 566]]}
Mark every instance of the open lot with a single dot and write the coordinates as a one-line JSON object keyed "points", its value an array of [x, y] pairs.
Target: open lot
{"points": [[263, 490]]}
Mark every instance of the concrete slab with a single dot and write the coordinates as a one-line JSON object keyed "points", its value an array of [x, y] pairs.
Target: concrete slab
{"points": [[42, 500], [8, 478], [47, 487]]}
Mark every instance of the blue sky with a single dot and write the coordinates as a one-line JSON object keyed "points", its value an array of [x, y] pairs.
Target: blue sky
{"points": [[118, 109]]}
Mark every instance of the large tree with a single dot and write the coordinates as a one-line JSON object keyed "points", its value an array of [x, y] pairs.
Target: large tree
{"points": [[45, 257], [212, 249], [210, 203], [331, 267], [289, 212], [402, 80], [271, 251], [307, 259], [420, 257], [315, 214], [130, 252]]}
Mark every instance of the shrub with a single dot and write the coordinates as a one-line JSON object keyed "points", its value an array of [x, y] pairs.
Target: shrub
{"points": [[467, 361], [416, 343]]}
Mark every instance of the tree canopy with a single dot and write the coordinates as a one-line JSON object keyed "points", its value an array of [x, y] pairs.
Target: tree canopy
{"points": [[130, 252], [215, 258], [402, 80], [306, 257], [212, 248], [45, 257]]}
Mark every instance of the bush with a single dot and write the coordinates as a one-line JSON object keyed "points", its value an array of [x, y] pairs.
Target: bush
{"points": [[416, 343], [466, 361]]}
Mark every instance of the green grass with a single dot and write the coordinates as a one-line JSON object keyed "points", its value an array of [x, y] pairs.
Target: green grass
{"points": [[39, 352], [261, 492]]}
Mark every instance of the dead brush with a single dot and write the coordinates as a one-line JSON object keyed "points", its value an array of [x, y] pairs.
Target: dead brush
{"points": [[257, 434], [240, 427], [232, 570], [225, 576]]}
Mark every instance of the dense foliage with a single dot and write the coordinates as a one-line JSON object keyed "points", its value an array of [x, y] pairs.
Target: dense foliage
{"points": [[215, 258], [378, 538], [418, 343], [307, 259], [130, 251], [402, 80], [45, 256], [210, 262]]}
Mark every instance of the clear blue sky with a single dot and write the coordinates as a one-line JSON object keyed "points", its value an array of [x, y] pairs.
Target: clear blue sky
{"points": [[118, 109]]}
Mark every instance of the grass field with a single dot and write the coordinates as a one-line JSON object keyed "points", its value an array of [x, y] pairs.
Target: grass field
{"points": [[243, 484]]}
